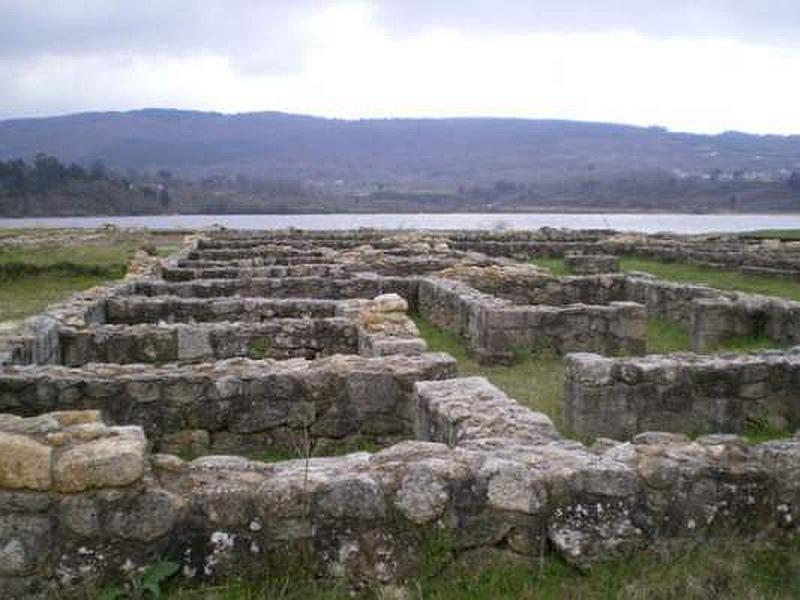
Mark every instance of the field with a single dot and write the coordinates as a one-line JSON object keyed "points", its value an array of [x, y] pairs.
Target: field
{"points": [[31, 278]]}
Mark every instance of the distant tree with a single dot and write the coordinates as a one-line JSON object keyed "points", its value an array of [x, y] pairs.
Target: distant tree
{"points": [[98, 170], [164, 198], [794, 182]]}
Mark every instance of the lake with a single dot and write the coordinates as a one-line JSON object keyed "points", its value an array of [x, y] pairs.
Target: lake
{"points": [[679, 223]]}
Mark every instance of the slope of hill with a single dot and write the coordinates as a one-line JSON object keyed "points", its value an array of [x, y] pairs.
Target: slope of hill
{"points": [[503, 163]]}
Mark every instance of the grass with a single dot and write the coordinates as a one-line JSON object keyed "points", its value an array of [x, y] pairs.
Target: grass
{"points": [[773, 234], [746, 344], [724, 279], [557, 266], [665, 336], [727, 568], [536, 380], [102, 261], [23, 296], [34, 277]]}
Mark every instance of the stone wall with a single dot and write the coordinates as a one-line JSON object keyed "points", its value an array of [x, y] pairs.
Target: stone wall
{"points": [[496, 329], [361, 286], [81, 504], [592, 264], [238, 405], [199, 342], [131, 310], [687, 393], [717, 320]]}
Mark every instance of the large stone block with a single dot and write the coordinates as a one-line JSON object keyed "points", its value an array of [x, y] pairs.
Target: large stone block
{"points": [[24, 463], [107, 462]]}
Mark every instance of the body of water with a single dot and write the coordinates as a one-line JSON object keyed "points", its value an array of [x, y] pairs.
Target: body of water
{"points": [[650, 223]]}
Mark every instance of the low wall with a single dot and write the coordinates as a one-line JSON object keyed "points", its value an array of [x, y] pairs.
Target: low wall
{"points": [[496, 328], [592, 264], [234, 272], [131, 310], [361, 286], [81, 503], [717, 320], [668, 299], [687, 393], [274, 338], [238, 405]]}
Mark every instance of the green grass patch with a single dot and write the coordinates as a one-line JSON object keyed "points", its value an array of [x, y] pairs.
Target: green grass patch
{"points": [[665, 336], [725, 568], [557, 266], [719, 278], [746, 343], [21, 297], [93, 260], [536, 380], [772, 234], [724, 279], [163, 251]]}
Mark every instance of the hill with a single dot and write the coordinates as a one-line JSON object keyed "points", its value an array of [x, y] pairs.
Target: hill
{"points": [[423, 164]]}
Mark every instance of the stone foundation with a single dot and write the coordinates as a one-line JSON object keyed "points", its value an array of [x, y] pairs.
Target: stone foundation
{"points": [[238, 405], [592, 264], [618, 398], [82, 503], [497, 329]]}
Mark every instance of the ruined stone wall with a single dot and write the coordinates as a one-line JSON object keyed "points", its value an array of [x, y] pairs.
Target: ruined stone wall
{"points": [[238, 405], [145, 343], [130, 310], [496, 329], [362, 286], [592, 264], [668, 299], [547, 290], [687, 393], [271, 271], [717, 320], [82, 503]]}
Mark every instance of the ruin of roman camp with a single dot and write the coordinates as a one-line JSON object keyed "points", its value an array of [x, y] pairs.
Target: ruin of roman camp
{"points": [[131, 413]]}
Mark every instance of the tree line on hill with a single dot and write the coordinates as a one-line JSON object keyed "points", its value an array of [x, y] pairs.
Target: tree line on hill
{"points": [[47, 187]]}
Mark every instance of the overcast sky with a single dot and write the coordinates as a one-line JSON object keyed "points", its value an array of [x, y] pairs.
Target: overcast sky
{"points": [[692, 65]]}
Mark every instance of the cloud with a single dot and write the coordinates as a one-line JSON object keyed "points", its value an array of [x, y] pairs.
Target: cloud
{"points": [[266, 36], [629, 62], [770, 22]]}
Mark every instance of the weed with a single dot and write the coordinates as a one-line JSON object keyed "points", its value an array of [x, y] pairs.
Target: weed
{"points": [[258, 348], [144, 585]]}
